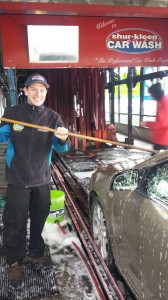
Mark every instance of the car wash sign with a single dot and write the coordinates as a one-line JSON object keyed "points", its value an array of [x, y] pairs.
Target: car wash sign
{"points": [[134, 40], [101, 42]]}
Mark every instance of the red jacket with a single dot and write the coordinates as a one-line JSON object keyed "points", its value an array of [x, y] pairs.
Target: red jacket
{"points": [[159, 128]]}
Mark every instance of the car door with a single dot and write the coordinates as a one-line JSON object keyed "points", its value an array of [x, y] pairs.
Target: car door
{"points": [[141, 234], [125, 231], [153, 242]]}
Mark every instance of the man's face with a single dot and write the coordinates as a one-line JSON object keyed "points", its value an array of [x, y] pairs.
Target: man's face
{"points": [[36, 93]]}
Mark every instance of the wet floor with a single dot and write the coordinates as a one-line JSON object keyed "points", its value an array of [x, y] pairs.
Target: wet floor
{"points": [[68, 279]]}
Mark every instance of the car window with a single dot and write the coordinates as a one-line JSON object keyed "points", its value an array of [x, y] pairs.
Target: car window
{"points": [[156, 183], [125, 181]]}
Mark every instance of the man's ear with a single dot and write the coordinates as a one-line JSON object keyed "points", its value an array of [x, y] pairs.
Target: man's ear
{"points": [[25, 90]]}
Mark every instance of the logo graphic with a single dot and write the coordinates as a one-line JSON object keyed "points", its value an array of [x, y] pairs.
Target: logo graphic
{"points": [[56, 213], [42, 130], [38, 77], [18, 127], [134, 41]]}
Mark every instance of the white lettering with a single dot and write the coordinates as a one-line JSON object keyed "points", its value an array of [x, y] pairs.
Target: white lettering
{"points": [[134, 36], [118, 44], [104, 24], [121, 36], [145, 37], [148, 45], [161, 60], [149, 60]]}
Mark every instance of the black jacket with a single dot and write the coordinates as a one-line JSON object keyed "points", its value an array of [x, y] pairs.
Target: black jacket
{"points": [[29, 150]]}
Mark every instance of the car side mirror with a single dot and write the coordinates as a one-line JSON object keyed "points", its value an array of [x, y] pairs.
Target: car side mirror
{"points": [[127, 180]]}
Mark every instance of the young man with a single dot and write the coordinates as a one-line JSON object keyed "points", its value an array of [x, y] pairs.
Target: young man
{"points": [[28, 175], [159, 127]]}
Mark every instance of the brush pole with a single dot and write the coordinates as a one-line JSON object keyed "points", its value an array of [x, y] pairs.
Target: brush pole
{"points": [[78, 135]]}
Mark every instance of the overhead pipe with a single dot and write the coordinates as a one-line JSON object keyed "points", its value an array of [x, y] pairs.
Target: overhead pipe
{"points": [[12, 86], [139, 78]]}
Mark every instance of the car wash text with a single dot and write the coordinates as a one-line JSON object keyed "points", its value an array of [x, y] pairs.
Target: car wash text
{"points": [[134, 40]]}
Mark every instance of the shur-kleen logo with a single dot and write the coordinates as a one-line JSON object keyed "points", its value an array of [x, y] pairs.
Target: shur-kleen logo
{"points": [[134, 40]]}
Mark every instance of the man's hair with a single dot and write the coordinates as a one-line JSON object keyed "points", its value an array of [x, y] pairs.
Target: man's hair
{"points": [[156, 90]]}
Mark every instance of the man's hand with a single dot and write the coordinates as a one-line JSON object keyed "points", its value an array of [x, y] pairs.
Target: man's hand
{"points": [[61, 133]]}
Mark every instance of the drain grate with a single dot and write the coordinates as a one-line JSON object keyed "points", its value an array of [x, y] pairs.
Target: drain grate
{"points": [[38, 284]]}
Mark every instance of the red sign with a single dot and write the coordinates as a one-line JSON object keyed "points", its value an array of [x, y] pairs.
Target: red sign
{"points": [[103, 41]]}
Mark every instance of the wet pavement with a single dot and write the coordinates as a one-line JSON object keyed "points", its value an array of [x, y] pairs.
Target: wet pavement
{"points": [[68, 279]]}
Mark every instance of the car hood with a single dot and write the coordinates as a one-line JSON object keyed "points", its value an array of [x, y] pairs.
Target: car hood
{"points": [[161, 156]]}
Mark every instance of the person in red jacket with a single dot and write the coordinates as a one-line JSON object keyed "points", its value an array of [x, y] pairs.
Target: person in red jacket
{"points": [[159, 127]]}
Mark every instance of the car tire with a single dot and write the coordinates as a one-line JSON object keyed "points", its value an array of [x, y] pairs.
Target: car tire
{"points": [[100, 233]]}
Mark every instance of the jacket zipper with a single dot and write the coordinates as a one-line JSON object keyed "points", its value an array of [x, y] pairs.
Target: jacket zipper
{"points": [[30, 154]]}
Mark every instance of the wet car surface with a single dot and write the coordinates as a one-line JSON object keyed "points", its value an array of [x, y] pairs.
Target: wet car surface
{"points": [[129, 220]]}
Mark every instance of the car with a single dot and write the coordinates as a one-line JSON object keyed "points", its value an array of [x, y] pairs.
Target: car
{"points": [[129, 223]]}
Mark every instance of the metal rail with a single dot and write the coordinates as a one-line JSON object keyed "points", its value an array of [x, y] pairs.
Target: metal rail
{"points": [[107, 281], [80, 253]]}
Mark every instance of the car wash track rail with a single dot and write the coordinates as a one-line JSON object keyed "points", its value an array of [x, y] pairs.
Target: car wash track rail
{"points": [[76, 205]]}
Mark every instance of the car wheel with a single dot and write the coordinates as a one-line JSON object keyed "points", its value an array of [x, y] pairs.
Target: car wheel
{"points": [[100, 232]]}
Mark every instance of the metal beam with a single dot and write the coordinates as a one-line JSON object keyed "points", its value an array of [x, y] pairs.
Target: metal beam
{"points": [[12, 87], [64, 9], [137, 78]]}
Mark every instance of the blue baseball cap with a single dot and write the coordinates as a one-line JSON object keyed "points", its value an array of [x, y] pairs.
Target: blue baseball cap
{"points": [[36, 78]]}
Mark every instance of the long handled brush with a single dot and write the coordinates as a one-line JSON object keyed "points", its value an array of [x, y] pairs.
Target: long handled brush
{"points": [[78, 135]]}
